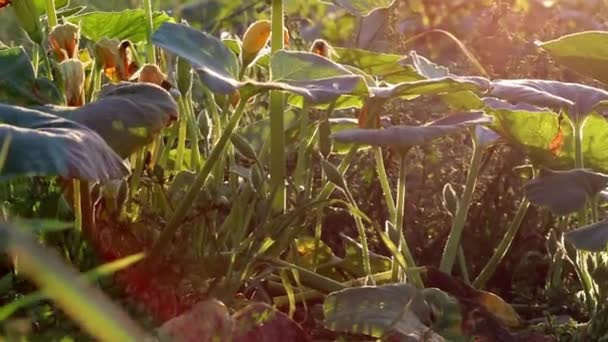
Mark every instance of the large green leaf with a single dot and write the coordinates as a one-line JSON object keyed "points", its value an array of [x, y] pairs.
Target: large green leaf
{"points": [[534, 131], [378, 311], [128, 24], [43, 144], [127, 115], [565, 192], [217, 66], [382, 65], [316, 78], [18, 84], [363, 7], [585, 52], [592, 238], [578, 99], [404, 137], [41, 5], [439, 85]]}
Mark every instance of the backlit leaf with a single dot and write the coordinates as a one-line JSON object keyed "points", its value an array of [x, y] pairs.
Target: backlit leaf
{"points": [[363, 7], [585, 52], [126, 25]]}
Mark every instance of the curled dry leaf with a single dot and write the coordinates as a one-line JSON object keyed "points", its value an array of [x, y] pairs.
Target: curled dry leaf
{"points": [[64, 41], [115, 56]]}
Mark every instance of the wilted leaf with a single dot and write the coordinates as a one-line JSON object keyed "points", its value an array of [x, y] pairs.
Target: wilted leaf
{"points": [[584, 52], [261, 322], [19, 86], [592, 238], [424, 67], [379, 310], [126, 25], [580, 100], [363, 7], [564, 192], [404, 137], [495, 309], [127, 115], [206, 322], [43, 144]]}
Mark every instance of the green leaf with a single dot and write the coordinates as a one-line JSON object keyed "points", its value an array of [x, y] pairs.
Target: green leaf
{"points": [[532, 130], [127, 115], [19, 86], [585, 52], [41, 5], [126, 25], [578, 99], [43, 144], [378, 311], [593, 238], [258, 133], [565, 192], [363, 7], [353, 254], [386, 67], [425, 67], [405, 137], [440, 85], [217, 66], [317, 78]]}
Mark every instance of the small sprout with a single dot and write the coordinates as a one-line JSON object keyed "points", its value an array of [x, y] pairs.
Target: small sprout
{"points": [[64, 41], [72, 72]]}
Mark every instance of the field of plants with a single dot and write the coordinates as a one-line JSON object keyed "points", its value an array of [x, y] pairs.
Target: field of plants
{"points": [[315, 170]]}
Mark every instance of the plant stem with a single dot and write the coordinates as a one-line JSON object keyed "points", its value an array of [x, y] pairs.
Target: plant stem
{"points": [[462, 262], [303, 161], [77, 205], [384, 182], [503, 246], [151, 54], [199, 182], [51, 13], [181, 136], [397, 234], [277, 121], [367, 267], [451, 247]]}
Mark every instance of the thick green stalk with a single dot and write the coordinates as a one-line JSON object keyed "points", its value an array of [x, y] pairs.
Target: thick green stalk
{"points": [[77, 205], [503, 246], [151, 54], [193, 131], [451, 247], [384, 182], [396, 234], [181, 136], [193, 193], [51, 13], [367, 268], [462, 263], [277, 121]]}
